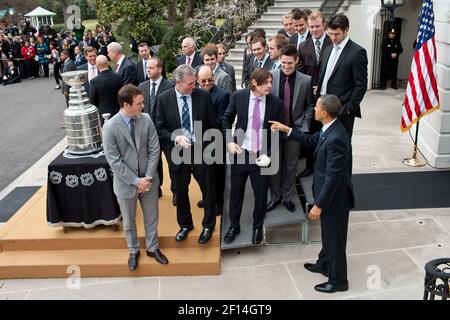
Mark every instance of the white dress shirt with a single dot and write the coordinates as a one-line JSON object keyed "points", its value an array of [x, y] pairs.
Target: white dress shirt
{"points": [[180, 102], [332, 63], [249, 135]]}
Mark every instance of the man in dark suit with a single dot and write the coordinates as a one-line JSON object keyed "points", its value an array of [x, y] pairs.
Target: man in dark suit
{"points": [[259, 59], [299, 19], [103, 88], [294, 89], [221, 100], [152, 89], [90, 53], [343, 71], [67, 65], [288, 29], [332, 191], [141, 66], [254, 108], [189, 57], [131, 147], [310, 53], [124, 66], [180, 112], [228, 68]]}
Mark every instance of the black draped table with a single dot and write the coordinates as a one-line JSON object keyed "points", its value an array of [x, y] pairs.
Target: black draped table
{"points": [[80, 193]]}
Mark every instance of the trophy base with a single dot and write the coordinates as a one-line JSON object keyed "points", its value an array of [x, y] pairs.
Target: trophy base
{"points": [[412, 162], [93, 153]]}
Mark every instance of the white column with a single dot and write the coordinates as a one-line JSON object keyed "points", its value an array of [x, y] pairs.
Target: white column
{"points": [[434, 131]]}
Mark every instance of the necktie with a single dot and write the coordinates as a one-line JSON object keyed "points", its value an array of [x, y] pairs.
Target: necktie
{"points": [[321, 133], [256, 127], [117, 67], [287, 101], [260, 64], [91, 73], [132, 131], [188, 61], [186, 119], [222, 65], [330, 66], [153, 98], [145, 69], [317, 49]]}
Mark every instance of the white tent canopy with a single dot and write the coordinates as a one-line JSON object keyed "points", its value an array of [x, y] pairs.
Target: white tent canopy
{"points": [[40, 17]]}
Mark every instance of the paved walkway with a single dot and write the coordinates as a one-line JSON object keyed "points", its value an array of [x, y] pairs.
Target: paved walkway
{"points": [[387, 250]]}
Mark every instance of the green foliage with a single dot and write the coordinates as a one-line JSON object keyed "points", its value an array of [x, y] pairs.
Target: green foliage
{"points": [[170, 45]]}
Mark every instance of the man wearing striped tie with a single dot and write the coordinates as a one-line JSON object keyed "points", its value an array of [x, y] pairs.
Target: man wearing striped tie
{"points": [[253, 107], [178, 113]]}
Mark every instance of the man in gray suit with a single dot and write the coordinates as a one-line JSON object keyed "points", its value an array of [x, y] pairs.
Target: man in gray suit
{"points": [[67, 65], [131, 148], [221, 78], [228, 68], [294, 89]]}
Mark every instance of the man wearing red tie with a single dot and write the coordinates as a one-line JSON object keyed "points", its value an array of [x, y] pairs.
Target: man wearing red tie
{"points": [[189, 57], [253, 108]]}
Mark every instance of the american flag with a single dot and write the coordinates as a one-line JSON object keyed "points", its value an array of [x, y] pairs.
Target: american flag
{"points": [[422, 92]]}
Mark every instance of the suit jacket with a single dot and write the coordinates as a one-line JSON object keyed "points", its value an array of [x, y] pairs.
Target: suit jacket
{"points": [[348, 81], [80, 60], [103, 92], [125, 158], [294, 38], [223, 80], [145, 86], [308, 63], [239, 107], [67, 66], [230, 70], [168, 117], [303, 100], [332, 186], [141, 75], [251, 66], [221, 100], [128, 72], [197, 61]]}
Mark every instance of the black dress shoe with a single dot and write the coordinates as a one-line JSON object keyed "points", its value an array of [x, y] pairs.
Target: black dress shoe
{"points": [[305, 173], [159, 192], [205, 236], [174, 200], [133, 261], [182, 234], [312, 267], [201, 204], [257, 236], [231, 234], [158, 255], [272, 205], [290, 206], [327, 287]]}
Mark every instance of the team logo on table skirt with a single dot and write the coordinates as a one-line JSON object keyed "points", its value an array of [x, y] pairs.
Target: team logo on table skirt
{"points": [[101, 174], [72, 181], [87, 179], [55, 177]]}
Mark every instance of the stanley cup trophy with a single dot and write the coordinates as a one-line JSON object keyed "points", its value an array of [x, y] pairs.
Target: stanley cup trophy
{"points": [[82, 121]]}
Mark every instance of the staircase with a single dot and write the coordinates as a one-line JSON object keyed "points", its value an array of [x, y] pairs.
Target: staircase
{"points": [[271, 22]]}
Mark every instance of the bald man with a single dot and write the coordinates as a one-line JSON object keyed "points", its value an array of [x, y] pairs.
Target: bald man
{"points": [[104, 88], [221, 99]]}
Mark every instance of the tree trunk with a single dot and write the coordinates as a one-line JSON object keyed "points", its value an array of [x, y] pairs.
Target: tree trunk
{"points": [[189, 11], [172, 12], [64, 5]]}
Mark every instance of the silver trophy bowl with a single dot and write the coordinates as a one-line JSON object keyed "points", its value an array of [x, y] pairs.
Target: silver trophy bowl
{"points": [[81, 119]]}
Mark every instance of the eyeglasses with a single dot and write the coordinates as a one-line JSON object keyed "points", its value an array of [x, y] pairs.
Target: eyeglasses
{"points": [[206, 80]]}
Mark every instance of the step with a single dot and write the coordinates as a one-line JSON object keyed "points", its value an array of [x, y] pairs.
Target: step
{"points": [[106, 263], [44, 237]]}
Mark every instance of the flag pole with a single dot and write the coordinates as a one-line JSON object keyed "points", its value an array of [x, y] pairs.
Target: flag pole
{"points": [[414, 161]]}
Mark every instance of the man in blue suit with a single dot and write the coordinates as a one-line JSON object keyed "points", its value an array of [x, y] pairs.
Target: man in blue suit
{"points": [[124, 66], [332, 190]]}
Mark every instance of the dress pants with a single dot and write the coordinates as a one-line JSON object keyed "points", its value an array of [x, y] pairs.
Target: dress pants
{"points": [[282, 184], [204, 175], [332, 257], [149, 204], [260, 185]]}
